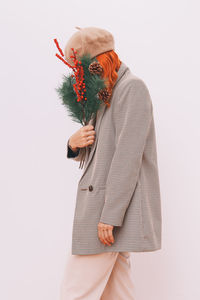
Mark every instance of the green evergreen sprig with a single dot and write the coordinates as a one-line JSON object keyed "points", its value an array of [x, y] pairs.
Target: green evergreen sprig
{"points": [[83, 110]]}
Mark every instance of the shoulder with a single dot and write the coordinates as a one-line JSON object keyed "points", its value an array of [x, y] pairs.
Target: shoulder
{"points": [[133, 91], [132, 82]]}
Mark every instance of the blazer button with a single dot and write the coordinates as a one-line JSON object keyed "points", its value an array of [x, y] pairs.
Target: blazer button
{"points": [[90, 188]]}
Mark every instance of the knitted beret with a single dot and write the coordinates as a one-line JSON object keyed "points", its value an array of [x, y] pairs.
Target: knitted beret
{"points": [[92, 40]]}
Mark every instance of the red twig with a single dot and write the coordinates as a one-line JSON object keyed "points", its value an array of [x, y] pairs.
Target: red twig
{"points": [[79, 86], [57, 45], [65, 62]]}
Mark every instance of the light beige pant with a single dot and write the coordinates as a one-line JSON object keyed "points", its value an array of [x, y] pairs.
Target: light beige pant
{"points": [[104, 276]]}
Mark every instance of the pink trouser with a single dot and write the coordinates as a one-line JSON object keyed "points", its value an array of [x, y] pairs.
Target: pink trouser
{"points": [[104, 276]]}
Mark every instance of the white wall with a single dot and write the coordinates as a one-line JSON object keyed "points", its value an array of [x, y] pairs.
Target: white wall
{"points": [[159, 41]]}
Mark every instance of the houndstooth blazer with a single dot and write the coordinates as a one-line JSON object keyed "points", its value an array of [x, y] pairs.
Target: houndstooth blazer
{"points": [[119, 184]]}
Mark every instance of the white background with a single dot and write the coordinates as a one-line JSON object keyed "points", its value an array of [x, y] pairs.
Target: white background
{"points": [[159, 41]]}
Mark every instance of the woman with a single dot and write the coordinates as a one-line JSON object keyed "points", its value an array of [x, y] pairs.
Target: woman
{"points": [[118, 207]]}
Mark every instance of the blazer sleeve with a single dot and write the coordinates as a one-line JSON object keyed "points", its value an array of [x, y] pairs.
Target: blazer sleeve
{"points": [[75, 155], [132, 115]]}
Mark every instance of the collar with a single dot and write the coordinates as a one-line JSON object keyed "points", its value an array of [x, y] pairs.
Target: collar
{"points": [[122, 69]]}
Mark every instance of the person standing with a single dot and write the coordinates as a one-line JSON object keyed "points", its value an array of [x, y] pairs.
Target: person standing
{"points": [[118, 201]]}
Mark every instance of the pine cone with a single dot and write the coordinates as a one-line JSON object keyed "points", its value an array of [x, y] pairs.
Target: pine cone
{"points": [[104, 95], [95, 68]]}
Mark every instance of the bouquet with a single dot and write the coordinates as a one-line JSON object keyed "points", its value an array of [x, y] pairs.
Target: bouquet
{"points": [[83, 91]]}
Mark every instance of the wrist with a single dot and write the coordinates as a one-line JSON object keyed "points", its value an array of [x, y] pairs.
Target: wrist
{"points": [[72, 147]]}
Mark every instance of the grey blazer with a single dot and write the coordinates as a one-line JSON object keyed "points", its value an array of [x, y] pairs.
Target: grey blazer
{"points": [[119, 184]]}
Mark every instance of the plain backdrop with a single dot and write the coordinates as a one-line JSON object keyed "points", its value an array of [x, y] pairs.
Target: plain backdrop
{"points": [[159, 41]]}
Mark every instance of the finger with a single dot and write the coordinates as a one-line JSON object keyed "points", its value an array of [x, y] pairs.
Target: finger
{"points": [[90, 133], [87, 137], [104, 233], [89, 127], [92, 137], [110, 234], [89, 142], [100, 235], [107, 237], [87, 133]]}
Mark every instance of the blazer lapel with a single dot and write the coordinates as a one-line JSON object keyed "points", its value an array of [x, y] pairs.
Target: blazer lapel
{"points": [[90, 152]]}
